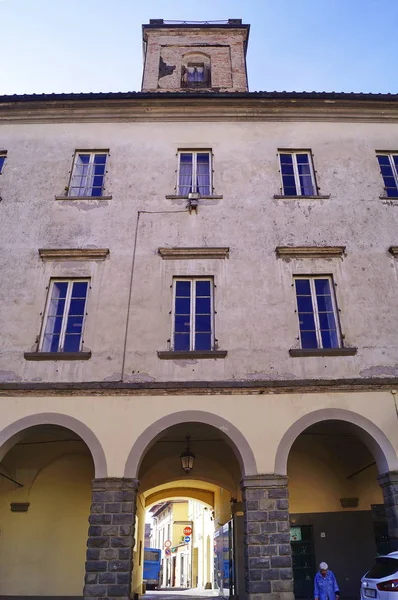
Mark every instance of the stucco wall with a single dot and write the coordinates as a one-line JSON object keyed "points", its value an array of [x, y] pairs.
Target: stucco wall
{"points": [[255, 321]]}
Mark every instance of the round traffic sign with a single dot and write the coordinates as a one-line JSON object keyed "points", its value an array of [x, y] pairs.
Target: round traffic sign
{"points": [[167, 552], [187, 539], [187, 530], [167, 544]]}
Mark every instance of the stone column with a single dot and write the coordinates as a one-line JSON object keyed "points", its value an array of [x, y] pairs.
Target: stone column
{"points": [[389, 486], [268, 558], [110, 539]]}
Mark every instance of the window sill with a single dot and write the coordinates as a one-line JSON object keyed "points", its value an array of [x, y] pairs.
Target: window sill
{"points": [[393, 199], [190, 354], [317, 197], [57, 355], [74, 198], [303, 352], [200, 197]]}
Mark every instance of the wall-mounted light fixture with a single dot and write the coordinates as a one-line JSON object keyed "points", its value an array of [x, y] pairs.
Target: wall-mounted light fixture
{"points": [[187, 457]]}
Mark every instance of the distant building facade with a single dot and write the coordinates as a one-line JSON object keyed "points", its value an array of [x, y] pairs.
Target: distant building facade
{"points": [[197, 261]]}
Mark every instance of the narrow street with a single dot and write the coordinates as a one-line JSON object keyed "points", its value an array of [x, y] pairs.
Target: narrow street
{"points": [[178, 594]]}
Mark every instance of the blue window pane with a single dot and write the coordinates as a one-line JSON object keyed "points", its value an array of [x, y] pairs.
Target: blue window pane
{"points": [[181, 342], [289, 185], [203, 288], [100, 159], [77, 306], [203, 158], [304, 303], [392, 192], [286, 159], [56, 307], [325, 304], [322, 286], [74, 325], [99, 170], [54, 325], [203, 323], [327, 320], [203, 341], [79, 289], [186, 157], [181, 324], [202, 306], [303, 287], [302, 159], [84, 158], [183, 306], [72, 343], [2, 160], [306, 321], [395, 160], [51, 343], [183, 288], [329, 339], [308, 339], [383, 159], [59, 289]]}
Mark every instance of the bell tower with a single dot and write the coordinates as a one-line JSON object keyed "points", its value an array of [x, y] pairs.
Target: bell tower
{"points": [[189, 57]]}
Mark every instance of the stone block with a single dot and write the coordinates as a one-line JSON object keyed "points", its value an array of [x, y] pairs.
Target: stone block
{"points": [[98, 542], [107, 577], [261, 539], [282, 586], [285, 550], [259, 562], [254, 575], [253, 550], [269, 550], [282, 504], [257, 515], [283, 526], [266, 504], [125, 496], [113, 507], [123, 577], [121, 542], [269, 527], [278, 515], [118, 590], [123, 519], [254, 494], [103, 496], [281, 561], [252, 505], [91, 578], [259, 587], [124, 553], [125, 530], [95, 590], [278, 492], [93, 553], [100, 519], [254, 527], [279, 538], [128, 507], [110, 530], [95, 566], [109, 554], [119, 565], [97, 507], [270, 574], [286, 573], [95, 530]]}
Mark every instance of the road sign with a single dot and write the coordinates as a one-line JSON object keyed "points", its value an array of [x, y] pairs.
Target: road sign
{"points": [[167, 544], [167, 552], [187, 530], [187, 539]]}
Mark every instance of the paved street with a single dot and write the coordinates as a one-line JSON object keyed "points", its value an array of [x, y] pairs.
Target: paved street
{"points": [[176, 594]]}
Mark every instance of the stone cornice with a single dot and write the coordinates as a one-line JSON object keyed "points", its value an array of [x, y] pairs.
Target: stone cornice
{"points": [[310, 251], [193, 253], [182, 107], [73, 253], [192, 388]]}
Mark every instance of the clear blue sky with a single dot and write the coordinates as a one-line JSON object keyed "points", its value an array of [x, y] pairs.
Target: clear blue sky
{"points": [[95, 45]]}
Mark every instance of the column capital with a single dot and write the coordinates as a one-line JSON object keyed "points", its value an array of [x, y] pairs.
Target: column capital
{"points": [[268, 480], [114, 484], [389, 478]]}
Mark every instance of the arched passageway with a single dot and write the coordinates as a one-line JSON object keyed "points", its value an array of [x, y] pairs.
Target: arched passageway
{"points": [[336, 505], [45, 494]]}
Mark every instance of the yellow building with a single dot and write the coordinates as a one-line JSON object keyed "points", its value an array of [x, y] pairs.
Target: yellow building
{"points": [[197, 260]]}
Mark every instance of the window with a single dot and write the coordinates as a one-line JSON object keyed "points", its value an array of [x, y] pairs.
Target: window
{"points": [[64, 316], [88, 174], [193, 314], [316, 309], [194, 173], [389, 170], [297, 174], [2, 160], [196, 74]]}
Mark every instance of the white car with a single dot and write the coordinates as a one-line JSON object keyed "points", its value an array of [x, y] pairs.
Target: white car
{"points": [[382, 580]]}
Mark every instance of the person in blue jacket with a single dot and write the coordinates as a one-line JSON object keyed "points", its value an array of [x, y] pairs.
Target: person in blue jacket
{"points": [[325, 584]]}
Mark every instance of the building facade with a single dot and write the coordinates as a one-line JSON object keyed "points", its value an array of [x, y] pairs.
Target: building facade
{"points": [[197, 260]]}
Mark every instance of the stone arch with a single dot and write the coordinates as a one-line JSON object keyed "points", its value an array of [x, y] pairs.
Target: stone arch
{"points": [[11, 434], [233, 437], [373, 437], [192, 60], [201, 495]]}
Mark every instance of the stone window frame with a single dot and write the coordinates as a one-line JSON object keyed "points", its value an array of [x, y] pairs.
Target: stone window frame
{"points": [[92, 152], [394, 169], [294, 152], [195, 59]]}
